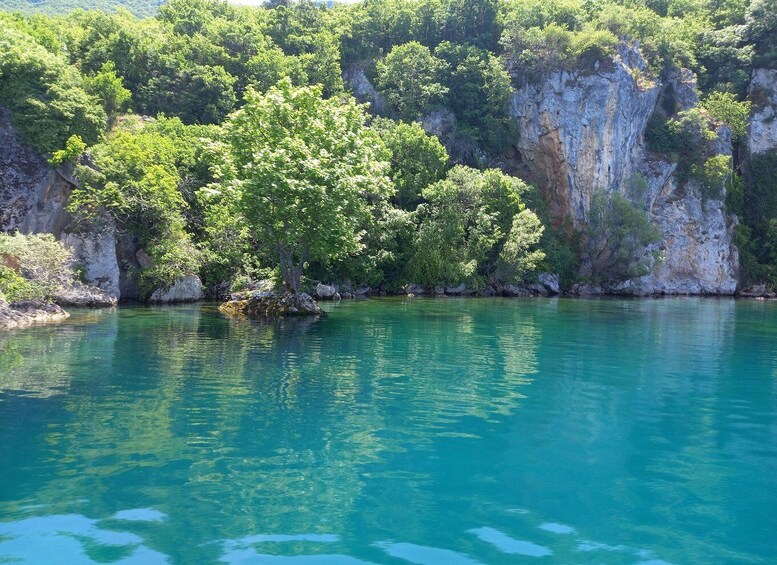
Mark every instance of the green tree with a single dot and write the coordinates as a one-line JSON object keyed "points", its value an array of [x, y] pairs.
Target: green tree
{"points": [[135, 179], [619, 234], [417, 159], [725, 108], [464, 225], [303, 170], [410, 79], [109, 89]]}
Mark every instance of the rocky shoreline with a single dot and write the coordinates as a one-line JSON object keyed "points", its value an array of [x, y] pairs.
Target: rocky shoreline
{"points": [[26, 313]]}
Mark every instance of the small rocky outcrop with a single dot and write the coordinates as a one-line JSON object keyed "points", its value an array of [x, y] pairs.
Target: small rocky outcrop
{"points": [[20, 314], [326, 292], [263, 304], [758, 291], [187, 289], [363, 90]]}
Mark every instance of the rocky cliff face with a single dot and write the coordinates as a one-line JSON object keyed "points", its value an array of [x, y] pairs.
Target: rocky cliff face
{"points": [[762, 134], [33, 199], [580, 132]]}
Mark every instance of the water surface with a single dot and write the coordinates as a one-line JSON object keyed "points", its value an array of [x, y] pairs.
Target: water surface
{"points": [[394, 431]]}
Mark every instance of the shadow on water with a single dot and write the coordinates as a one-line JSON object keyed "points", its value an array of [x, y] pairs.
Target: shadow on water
{"points": [[433, 431]]}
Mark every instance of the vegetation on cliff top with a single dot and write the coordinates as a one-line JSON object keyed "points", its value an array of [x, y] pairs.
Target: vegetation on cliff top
{"points": [[202, 67]]}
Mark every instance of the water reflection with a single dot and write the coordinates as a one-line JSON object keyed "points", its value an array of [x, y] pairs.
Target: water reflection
{"points": [[400, 430], [72, 539]]}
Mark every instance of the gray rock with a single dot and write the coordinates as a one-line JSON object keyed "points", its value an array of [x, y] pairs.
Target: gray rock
{"points": [[96, 251], [487, 291], [20, 314], [537, 289], [762, 130], [550, 281], [363, 90], [325, 292], [272, 305], [363, 291], [414, 290], [456, 290], [187, 289], [84, 296], [439, 290], [586, 290], [514, 290]]}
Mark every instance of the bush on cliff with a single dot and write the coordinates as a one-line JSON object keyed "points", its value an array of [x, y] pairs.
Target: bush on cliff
{"points": [[618, 240], [33, 266]]}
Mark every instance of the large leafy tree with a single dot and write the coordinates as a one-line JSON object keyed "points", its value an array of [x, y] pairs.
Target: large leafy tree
{"points": [[410, 78], [303, 171]]}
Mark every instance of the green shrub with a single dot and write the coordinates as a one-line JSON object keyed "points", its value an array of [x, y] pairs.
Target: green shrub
{"points": [[619, 234], [42, 265], [14, 287]]}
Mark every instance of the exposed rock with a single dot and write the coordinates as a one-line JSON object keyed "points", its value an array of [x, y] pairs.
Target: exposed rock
{"points": [[537, 289], [143, 259], [586, 290], [187, 289], [487, 291], [325, 292], [580, 131], [20, 314], [363, 90], [584, 131], [698, 252], [456, 290], [272, 305], [34, 199], [414, 290], [362, 291], [756, 291], [439, 290], [762, 134], [513, 290], [96, 251], [551, 282], [83, 295]]}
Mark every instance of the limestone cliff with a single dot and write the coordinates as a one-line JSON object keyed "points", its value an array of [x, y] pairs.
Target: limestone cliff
{"points": [[583, 131], [762, 134]]}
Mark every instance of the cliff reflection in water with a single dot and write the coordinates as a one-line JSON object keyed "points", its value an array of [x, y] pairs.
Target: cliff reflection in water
{"points": [[398, 428]]}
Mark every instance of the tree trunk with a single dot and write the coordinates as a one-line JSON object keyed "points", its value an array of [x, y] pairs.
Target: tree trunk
{"points": [[291, 272]]}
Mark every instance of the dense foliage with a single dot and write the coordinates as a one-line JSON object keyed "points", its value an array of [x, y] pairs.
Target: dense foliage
{"points": [[247, 113]]}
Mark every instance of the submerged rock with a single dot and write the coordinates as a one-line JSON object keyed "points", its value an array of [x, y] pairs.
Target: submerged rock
{"points": [[187, 289], [20, 314], [271, 305]]}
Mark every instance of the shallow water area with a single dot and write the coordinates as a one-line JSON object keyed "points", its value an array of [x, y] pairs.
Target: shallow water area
{"points": [[394, 431]]}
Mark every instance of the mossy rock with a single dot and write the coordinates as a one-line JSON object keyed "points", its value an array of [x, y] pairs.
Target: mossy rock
{"points": [[271, 305]]}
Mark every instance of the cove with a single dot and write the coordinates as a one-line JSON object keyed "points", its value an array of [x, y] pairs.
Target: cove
{"points": [[394, 431]]}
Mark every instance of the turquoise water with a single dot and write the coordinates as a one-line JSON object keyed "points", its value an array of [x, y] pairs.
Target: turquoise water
{"points": [[395, 431]]}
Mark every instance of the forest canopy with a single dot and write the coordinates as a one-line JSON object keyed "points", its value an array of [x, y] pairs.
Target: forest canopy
{"points": [[155, 92]]}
